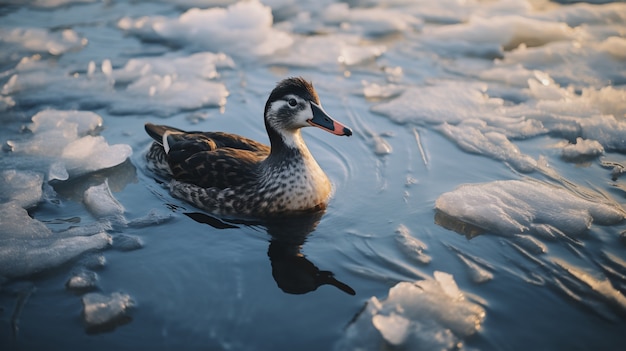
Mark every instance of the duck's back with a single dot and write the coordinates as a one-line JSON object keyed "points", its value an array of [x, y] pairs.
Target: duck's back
{"points": [[206, 159]]}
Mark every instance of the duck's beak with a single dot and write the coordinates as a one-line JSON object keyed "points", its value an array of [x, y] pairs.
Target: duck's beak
{"points": [[322, 120]]}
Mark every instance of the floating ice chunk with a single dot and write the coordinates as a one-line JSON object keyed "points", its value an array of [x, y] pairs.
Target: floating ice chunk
{"points": [[201, 65], [492, 144], [412, 246], [152, 218], [373, 91], [606, 129], [582, 149], [20, 258], [22, 187], [167, 94], [85, 122], [125, 242], [507, 31], [83, 280], [432, 104], [530, 244], [601, 287], [328, 51], [92, 153], [478, 274], [241, 29], [101, 202], [370, 21], [42, 40], [61, 136], [431, 314], [393, 328], [515, 206], [15, 223], [102, 310]]}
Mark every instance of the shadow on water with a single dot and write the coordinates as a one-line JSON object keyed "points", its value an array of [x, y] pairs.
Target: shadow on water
{"points": [[292, 271]]}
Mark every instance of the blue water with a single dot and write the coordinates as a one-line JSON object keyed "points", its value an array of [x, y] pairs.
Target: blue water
{"points": [[243, 286]]}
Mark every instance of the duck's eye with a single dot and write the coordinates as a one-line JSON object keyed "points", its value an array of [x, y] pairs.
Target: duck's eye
{"points": [[292, 102]]}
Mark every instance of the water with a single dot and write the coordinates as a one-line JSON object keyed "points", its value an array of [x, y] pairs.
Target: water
{"points": [[458, 110]]}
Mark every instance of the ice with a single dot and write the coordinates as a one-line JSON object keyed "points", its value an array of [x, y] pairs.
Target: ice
{"points": [[101, 310], [241, 29], [328, 52], [493, 144], [125, 242], [478, 274], [159, 86], [21, 258], [370, 21], [153, 217], [15, 223], [101, 202], [430, 314], [60, 136], [22, 187], [582, 149], [83, 280], [201, 65], [525, 206], [412, 247], [38, 40], [431, 104], [507, 32], [600, 287]]}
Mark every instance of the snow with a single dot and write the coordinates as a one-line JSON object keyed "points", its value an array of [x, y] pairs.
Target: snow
{"points": [[525, 206], [424, 315]]}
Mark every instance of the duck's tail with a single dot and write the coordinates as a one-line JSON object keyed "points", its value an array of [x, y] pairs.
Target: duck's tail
{"points": [[156, 131]]}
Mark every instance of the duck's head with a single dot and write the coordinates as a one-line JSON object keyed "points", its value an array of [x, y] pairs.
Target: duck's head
{"points": [[294, 104]]}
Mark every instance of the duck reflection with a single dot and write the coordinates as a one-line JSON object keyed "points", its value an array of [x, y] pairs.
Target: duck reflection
{"points": [[292, 271]]}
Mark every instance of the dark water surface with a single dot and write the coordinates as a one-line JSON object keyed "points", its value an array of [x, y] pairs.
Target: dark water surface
{"points": [[202, 283]]}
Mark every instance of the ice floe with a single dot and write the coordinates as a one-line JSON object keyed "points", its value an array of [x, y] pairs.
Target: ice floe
{"points": [[370, 21], [582, 149], [101, 202], [38, 40], [525, 206], [25, 257], [21, 187], [103, 311], [411, 246], [62, 139], [157, 85], [431, 314], [241, 29]]}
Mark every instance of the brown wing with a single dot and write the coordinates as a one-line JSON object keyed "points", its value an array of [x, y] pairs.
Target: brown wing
{"points": [[219, 168]]}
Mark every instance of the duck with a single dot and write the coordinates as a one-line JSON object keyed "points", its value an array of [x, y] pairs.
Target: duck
{"points": [[230, 175]]}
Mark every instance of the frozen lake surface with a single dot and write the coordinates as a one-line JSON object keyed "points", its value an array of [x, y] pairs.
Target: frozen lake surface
{"points": [[478, 206]]}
